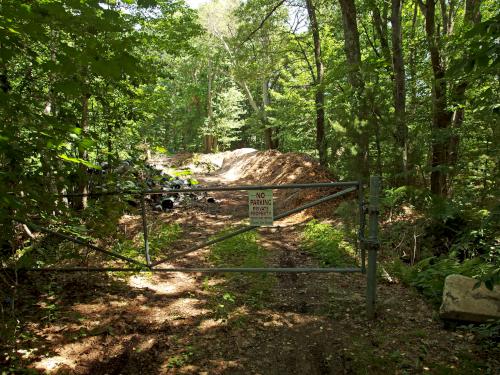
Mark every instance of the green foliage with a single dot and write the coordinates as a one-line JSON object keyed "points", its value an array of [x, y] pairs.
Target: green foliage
{"points": [[328, 244], [181, 359], [72, 80], [393, 198], [161, 236], [102, 216], [456, 239], [248, 288], [227, 120], [487, 334], [348, 212], [241, 250], [429, 274]]}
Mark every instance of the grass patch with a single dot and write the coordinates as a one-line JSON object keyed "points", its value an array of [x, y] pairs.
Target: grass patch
{"points": [[252, 289], [181, 359], [328, 245], [161, 236]]}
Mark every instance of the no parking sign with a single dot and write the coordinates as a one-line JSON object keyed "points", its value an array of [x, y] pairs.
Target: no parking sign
{"points": [[260, 207]]}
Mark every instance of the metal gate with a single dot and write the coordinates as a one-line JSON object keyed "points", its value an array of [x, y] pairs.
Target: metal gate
{"points": [[367, 245]]}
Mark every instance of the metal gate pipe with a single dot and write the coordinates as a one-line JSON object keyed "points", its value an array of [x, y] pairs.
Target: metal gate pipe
{"points": [[82, 242], [252, 227], [260, 270], [221, 188], [199, 269], [256, 187], [361, 229], [372, 244]]}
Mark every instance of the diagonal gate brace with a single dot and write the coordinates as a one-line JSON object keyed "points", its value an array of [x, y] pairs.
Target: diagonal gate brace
{"points": [[252, 227]]}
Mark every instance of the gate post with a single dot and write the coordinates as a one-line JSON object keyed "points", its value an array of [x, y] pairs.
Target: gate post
{"points": [[373, 245], [361, 229]]}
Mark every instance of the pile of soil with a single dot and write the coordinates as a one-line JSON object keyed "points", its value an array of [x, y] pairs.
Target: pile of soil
{"points": [[245, 166]]}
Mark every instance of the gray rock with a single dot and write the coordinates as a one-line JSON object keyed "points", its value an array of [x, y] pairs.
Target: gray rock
{"points": [[461, 301]]}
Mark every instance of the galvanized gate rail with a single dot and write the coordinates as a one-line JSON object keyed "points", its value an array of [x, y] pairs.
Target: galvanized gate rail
{"points": [[369, 244]]}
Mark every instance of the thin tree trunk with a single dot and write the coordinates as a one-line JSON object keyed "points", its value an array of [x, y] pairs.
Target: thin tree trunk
{"points": [[379, 28], [208, 137], [269, 137], [353, 57], [472, 16], [319, 99], [270, 140], [82, 187], [411, 62], [441, 116], [399, 89]]}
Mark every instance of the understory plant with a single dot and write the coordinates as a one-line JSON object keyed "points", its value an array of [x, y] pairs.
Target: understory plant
{"points": [[252, 289], [328, 244]]}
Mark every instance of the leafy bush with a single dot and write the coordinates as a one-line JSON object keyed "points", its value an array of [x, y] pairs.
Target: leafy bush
{"points": [[160, 237], [457, 240], [428, 275], [348, 212], [395, 197], [327, 244]]}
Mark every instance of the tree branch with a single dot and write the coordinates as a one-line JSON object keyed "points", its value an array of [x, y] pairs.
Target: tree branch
{"points": [[280, 3], [369, 40]]}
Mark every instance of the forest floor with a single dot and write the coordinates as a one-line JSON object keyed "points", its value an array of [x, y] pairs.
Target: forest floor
{"points": [[181, 323]]}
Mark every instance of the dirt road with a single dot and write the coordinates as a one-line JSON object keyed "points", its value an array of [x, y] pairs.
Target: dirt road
{"points": [[193, 324]]}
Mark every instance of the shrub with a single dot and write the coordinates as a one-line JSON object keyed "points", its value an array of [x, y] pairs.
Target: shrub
{"points": [[327, 244]]}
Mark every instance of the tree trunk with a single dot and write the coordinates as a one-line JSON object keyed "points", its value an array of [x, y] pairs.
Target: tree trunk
{"points": [[82, 186], [472, 16], [379, 28], [319, 99], [412, 64], [270, 141], [208, 137], [353, 57], [399, 89], [269, 137], [441, 116]]}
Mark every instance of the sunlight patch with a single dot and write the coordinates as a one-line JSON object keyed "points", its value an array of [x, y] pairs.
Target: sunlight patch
{"points": [[187, 307], [180, 284], [54, 363], [208, 324]]}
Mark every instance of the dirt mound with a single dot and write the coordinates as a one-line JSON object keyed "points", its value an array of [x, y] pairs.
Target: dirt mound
{"points": [[247, 166], [201, 163], [273, 167], [235, 163]]}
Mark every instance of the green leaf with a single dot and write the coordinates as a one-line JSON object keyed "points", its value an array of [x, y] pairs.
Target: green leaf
{"points": [[87, 143], [79, 161]]}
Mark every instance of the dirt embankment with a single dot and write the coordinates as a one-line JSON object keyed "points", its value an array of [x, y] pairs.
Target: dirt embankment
{"points": [[251, 167], [273, 167]]}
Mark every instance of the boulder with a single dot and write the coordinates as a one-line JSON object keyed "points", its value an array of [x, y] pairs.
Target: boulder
{"points": [[461, 301]]}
